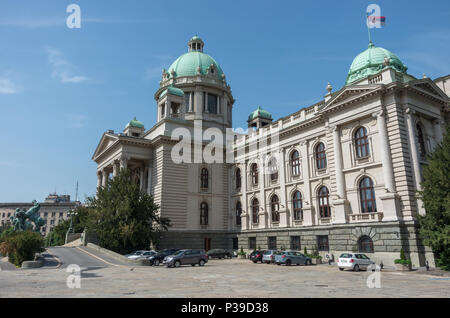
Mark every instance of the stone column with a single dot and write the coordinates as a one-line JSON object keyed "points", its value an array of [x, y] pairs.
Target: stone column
{"points": [[308, 213], [99, 179], [245, 219], [115, 169], [386, 160], [414, 155], [198, 104], [105, 175], [390, 198], [149, 179], [123, 163], [340, 204], [285, 216], [265, 213], [141, 178]]}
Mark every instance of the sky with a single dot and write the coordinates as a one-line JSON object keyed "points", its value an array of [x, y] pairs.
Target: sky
{"points": [[62, 88]]}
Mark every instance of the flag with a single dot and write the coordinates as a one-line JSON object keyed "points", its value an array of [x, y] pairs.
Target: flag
{"points": [[375, 21]]}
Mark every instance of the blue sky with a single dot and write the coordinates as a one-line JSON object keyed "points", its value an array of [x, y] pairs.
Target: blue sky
{"points": [[61, 88]]}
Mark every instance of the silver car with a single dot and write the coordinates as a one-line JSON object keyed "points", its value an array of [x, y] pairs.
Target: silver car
{"points": [[269, 256], [354, 261]]}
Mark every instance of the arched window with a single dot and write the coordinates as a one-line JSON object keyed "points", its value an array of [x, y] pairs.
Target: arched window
{"points": [[254, 171], [255, 211], [204, 178], [321, 156], [275, 207], [238, 178], [273, 169], [238, 213], [295, 163], [367, 195], [421, 141], [297, 205], [365, 244], [361, 143], [324, 203], [204, 213]]}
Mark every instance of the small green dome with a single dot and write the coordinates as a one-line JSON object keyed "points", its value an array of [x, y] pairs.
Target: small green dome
{"points": [[172, 90], [135, 123], [195, 37], [372, 61], [188, 64], [259, 112]]}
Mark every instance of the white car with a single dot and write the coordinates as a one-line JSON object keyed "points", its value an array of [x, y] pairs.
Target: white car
{"points": [[354, 261], [135, 255]]}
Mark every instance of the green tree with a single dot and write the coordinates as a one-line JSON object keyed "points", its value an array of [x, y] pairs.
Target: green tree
{"points": [[435, 195], [21, 246], [124, 218]]}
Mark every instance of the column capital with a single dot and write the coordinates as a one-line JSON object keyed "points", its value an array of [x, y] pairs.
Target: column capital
{"points": [[410, 111]]}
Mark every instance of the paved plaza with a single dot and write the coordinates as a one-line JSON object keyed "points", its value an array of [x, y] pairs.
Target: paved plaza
{"points": [[104, 277]]}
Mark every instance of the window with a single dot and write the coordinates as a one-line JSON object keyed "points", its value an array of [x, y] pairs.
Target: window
{"points": [[295, 243], [204, 213], [421, 141], [275, 207], [321, 157], [53, 214], [322, 242], [324, 204], [163, 111], [273, 169], [235, 243], [238, 178], [255, 211], [238, 213], [204, 178], [60, 214], [254, 171], [295, 163], [365, 244], [212, 104], [367, 195], [297, 206], [252, 243], [361, 143], [272, 242]]}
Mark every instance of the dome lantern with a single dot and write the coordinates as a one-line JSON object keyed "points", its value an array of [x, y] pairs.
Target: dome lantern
{"points": [[196, 44]]}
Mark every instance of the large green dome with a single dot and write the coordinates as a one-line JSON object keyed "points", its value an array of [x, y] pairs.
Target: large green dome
{"points": [[188, 64], [372, 61]]}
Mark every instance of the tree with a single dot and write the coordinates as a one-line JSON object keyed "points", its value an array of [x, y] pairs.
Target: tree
{"points": [[124, 218], [21, 246], [435, 195]]}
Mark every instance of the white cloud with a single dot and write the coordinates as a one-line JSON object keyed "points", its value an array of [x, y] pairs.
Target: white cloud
{"points": [[62, 69], [76, 120], [7, 86]]}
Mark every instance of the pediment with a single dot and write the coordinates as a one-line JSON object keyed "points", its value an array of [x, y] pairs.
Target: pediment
{"points": [[429, 87], [106, 141], [348, 94]]}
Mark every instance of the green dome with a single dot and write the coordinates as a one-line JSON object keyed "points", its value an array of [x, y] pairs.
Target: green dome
{"points": [[195, 37], [259, 112], [372, 61], [135, 123], [172, 90], [188, 63]]}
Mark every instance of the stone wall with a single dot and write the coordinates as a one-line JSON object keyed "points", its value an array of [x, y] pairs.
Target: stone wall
{"points": [[388, 239], [196, 239]]}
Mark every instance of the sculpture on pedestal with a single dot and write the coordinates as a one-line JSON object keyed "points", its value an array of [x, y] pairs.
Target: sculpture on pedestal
{"points": [[23, 220]]}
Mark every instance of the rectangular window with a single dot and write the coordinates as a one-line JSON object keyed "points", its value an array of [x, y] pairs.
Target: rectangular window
{"points": [[272, 242], [235, 243], [322, 243], [60, 214], [295, 243], [212, 104], [252, 243]]}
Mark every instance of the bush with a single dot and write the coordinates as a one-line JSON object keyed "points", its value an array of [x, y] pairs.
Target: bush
{"points": [[402, 260], [21, 246]]}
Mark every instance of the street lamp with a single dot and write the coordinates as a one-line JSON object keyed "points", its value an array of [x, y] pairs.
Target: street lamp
{"points": [[71, 213]]}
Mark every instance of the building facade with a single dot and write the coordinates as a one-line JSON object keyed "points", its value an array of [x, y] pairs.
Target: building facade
{"points": [[341, 175], [54, 210]]}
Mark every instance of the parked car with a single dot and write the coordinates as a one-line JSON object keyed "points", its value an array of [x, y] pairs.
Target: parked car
{"points": [[135, 254], [354, 261], [292, 257], [158, 258], [146, 255], [186, 257], [256, 256], [219, 253], [269, 256]]}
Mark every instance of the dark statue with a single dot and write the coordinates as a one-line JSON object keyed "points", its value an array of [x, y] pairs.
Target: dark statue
{"points": [[23, 220]]}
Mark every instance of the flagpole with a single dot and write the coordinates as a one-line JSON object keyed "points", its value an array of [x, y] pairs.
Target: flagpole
{"points": [[368, 28]]}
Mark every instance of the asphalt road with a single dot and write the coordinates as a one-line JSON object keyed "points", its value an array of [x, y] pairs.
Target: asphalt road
{"points": [[73, 255]]}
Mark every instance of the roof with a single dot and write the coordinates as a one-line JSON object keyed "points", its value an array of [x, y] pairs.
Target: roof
{"points": [[135, 123], [172, 90], [372, 61], [259, 112], [189, 63]]}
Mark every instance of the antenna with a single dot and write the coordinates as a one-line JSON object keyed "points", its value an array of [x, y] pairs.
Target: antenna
{"points": [[76, 192]]}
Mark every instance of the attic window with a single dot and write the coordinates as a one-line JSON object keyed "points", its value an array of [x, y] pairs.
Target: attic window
{"points": [[135, 134]]}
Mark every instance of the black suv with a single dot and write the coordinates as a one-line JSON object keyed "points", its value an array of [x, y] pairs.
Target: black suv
{"points": [[159, 257], [219, 253], [256, 256]]}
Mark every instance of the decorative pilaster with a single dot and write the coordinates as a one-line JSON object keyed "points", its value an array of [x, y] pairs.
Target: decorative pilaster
{"points": [[123, 163], [149, 178], [340, 204], [308, 213], [285, 217], [437, 130], [245, 215], [115, 168], [263, 215]]}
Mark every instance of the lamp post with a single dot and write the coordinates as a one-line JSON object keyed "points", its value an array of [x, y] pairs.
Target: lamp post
{"points": [[71, 213]]}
